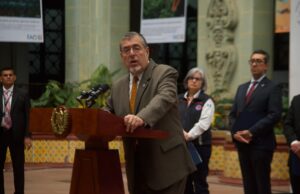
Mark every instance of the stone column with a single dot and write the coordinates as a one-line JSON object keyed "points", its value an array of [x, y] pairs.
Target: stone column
{"points": [[228, 32], [294, 70], [93, 30]]}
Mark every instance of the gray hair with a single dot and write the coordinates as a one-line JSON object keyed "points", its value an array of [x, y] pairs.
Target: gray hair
{"points": [[191, 73], [129, 35]]}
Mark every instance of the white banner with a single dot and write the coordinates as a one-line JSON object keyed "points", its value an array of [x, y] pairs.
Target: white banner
{"points": [[294, 69], [163, 21], [21, 21]]}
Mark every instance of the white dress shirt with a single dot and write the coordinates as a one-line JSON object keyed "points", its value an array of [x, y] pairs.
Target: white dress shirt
{"points": [[205, 119]]}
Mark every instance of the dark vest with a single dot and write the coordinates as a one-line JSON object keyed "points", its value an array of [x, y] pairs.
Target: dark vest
{"points": [[190, 115]]}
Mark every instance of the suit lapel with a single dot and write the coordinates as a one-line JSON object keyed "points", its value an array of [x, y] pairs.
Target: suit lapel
{"points": [[144, 83], [261, 85], [244, 93], [1, 94], [244, 89], [124, 93], [14, 98]]}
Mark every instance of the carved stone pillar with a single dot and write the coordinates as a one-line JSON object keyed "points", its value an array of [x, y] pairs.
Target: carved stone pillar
{"points": [[221, 55]]}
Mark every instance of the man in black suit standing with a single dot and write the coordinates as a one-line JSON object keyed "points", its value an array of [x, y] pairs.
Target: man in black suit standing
{"points": [[14, 132], [256, 109], [292, 134]]}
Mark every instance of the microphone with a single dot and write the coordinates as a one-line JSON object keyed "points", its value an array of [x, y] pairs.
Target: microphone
{"points": [[92, 94], [96, 91], [83, 95]]}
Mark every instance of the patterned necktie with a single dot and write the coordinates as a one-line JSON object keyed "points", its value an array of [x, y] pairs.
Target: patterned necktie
{"points": [[250, 92], [6, 122], [133, 93]]}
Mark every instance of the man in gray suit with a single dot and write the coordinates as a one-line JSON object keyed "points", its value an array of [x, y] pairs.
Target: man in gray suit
{"points": [[147, 96], [256, 109]]}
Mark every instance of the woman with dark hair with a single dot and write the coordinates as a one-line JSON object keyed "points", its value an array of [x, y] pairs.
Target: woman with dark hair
{"points": [[196, 111]]}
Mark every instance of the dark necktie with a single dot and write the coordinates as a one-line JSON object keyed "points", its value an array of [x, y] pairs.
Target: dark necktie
{"points": [[250, 92], [6, 122], [133, 93]]}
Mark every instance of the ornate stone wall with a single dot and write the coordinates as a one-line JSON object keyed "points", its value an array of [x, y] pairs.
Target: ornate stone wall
{"points": [[221, 55]]}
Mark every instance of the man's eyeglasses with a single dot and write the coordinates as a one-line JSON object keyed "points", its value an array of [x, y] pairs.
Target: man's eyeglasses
{"points": [[194, 78], [256, 61], [134, 49]]}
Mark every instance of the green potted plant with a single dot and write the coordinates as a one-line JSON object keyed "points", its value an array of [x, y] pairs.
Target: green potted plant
{"points": [[222, 108], [57, 93]]}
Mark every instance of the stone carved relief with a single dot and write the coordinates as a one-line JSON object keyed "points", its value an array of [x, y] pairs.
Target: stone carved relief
{"points": [[222, 62], [221, 56]]}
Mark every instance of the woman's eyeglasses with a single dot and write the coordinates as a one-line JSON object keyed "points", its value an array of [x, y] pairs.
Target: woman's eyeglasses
{"points": [[195, 78]]}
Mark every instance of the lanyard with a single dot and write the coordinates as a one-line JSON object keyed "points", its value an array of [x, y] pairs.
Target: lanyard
{"points": [[6, 101]]}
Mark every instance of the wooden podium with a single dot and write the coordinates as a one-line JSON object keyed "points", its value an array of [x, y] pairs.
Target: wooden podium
{"points": [[96, 169]]}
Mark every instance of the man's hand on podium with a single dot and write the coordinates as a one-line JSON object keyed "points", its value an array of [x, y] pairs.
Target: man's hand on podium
{"points": [[132, 122]]}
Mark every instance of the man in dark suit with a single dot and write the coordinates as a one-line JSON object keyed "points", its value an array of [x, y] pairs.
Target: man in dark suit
{"points": [[147, 96], [14, 132], [256, 109], [292, 134]]}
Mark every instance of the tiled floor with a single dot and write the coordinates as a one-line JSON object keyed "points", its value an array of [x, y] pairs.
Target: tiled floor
{"points": [[57, 181]]}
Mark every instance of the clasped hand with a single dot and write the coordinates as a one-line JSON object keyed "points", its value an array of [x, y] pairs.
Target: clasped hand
{"points": [[132, 122], [187, 136], [243, 136], [295, 147], [27, 143]]}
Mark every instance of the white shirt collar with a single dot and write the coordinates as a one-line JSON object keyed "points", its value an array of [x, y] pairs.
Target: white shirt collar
{"points": [[195, 95], [139, 76], [258, 80], [9, 89]]}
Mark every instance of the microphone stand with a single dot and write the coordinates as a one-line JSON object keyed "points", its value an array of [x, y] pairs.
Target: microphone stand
{"points": [[90, 97]]}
